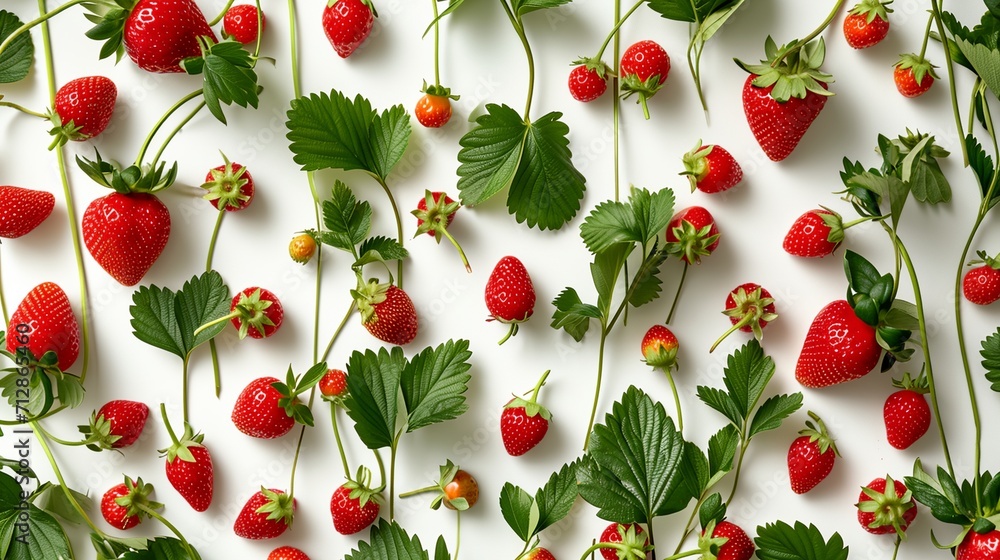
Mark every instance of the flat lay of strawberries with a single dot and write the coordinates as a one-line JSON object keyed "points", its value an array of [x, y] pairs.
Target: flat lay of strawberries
{"points": [[499, 279]]}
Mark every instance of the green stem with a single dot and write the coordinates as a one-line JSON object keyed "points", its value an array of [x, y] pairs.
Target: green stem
{"points": [[3, 300], [48, 414], [458, 534], [180, 125], [419, 491], [927, 35], [48, 435], [616, 105], [216, 373], [392, 476], [160, 123], [214, 239], [597, 391], [399, 228], [461, 253], [677, 400], [614, 30], [295, 461], [689, 526], [677, 294], [213, 322], [744, 321], [519, 29], [23, 109], [815, 33], [739, 468], [152, 513], [539, 385], [184, 389], [166, 422], [381, 469], [437, 40], [215, 21], [950, 66], [340, 444], [62, 482], [40, 19], [336, 333], [696, 73], [895, 550]]}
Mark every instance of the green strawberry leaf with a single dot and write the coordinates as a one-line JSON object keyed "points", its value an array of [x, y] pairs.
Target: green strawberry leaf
{"points": [[721, 402], [454, 5], [519, 511], [373, 400], [890, 188], [572, 314], [51, 498], [646, 282], [695, 471], [69, 390], [781, 541], [490, 154], [434, 383], [930, 493], [162, 548], [747, 373], [606, 270], [640, 220], [379, 249], [18, 55], [388, 541], [715, 20], [441, 549], [712, 509], [983, 60], [112, 548], [982, 164], [229, 76], [154, 321], [773, 412], [167, 320], [991, 359], [632, 470], [693, 11], [556, 498], [390, 134], [27, 533], [347, 220], [722, 447], [521, 7]]}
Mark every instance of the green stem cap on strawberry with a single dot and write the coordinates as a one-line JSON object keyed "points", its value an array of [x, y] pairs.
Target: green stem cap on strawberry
{"points": [[136, 500], [439, 90], [360, 488], [456, 489], [279, 506], [434, 213], [793, 70], [751, 309], [368, 295], [180, 448], [227, 187], [709, 544], [131, 179], [250, 311], [817, 433], [887, 507]]}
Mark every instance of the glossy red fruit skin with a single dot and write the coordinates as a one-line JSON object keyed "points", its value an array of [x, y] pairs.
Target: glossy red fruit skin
{"points": [[586, 84], [433, 111], [22, 210], [88, 102], [981, 285], [610, 535], [115, 514], [347, 24], [160, 33], [422, 205], [126, 233], [907, 418], [195, 482], [807, 467], [906, 82], [723, 174], [44, 321], [866, 518], [348, 516], [644, 60], [510, 295], [779, 127], [748, 288], [256, 526], [257, 413], [127, 419], [979, 547], [246, 190], [839, 347], [275, 312], [699, 218], [333, 383], [240, 23], [520, 432], [395, 319], [738, 547], [287, 553], [809, 236], [860, 34], [657, 337], [539, 553]]}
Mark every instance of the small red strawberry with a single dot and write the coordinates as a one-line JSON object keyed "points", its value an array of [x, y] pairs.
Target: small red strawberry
{"points": [[780, 116], [124, 505], [817, 233], [115, 425], [981, 284], [811, 456], [387, 312], [644, 67], [538, 553], [302, 247], [523, 423], [749, 308], [257, 412], [433, 111], [333, 383], [886, 506], [22, 210], [977, 546], [230, 186], [629, 537], [588, 80], [839, 347], [355, 505], [906, 412], [347, 24], [867, 23], [435, 212], [659, 348], [711, 169], [737, 545], [692, 234], [158, 34], [83, 109], [126, 233], [266, 515], [510, 295], [913, 75], [287, 553], [44, 322], [189, 466], [240, 23], [256, 312]]}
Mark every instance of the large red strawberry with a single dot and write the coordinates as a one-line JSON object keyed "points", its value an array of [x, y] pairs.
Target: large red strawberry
{"points": [[115, 425], [692, 234], [524, 422], [644, 68], [387, 312], [913, 75], [976, 546], [347, 24], [240, 23], [354, 506], [839, 347], [287, 553], [230, 186], [816, 233], [44, 322], [257, 412], [83, 109], [435, 212], [22, 210], [588, 80], [256, 312], [266, 515], [867, 23], [510, 295], [749, 308], [811, 456], [120, 505], [630, 535], [738, 545], [126, 233], [886, 506], [189, 466], [906, 412], [711, 169], [780, 116], [158, 34], [981, 284]]}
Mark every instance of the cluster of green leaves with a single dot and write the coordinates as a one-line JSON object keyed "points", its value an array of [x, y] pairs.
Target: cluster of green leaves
{"points": [[965, 505], [781, 541], [388, 541], [157, 548], [43, 385], [229, 75], [529, 515], [131, 179], [44, 537], [18, 55], [871, 296], [293, 386], [348, 222]]}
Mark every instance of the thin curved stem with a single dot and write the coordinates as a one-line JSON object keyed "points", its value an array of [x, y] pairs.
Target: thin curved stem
{"points": [[163, 119], [950, 66], [182, 124], [399, 228], [616, 105], [927, 35], [184, 389], [689, 526], [739, 469], [40, 19], [696, 71], [214, 239], [461, 253], [48, 414], [597, 391], [340, 443], [677, 400], [392, 476], [815, 33], [336, 333], [614, 30], [213, 349], [381, 469], [437, 41], [677, 294], [895, 550], [215, 21], [60, 441], [519, 29], [23, 109], [458, 534], [62, 482]]}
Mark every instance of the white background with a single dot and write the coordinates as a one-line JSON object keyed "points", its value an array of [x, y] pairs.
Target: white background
{"points": [[482, 60]]}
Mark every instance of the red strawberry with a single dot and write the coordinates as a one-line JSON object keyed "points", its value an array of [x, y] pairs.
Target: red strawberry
{"points": [[510, 295], [22, 210], [913, 75], [433, 111], [230, 186], [981, 284], [158, 34], [256, 312], [83, 109], [738, 545], [711, 169], [692, 234], [302, 247], [44, 322], [435, 212], [523, 423], [906, 412], [588, 81], [387, 312], [333, 383], [125, 233], [347, 24], [266, 515], [886, 506], [780, 116], [749, 308], [817, 233], [659, 348], [867, 24], [979, 547], [240, 23], [120, 504], [644, 68], [189, 466], [257, 412], [839, 347], [628, 534], [354, 505], [287, 553], [115, 425], [538, 553], [811, 456]]}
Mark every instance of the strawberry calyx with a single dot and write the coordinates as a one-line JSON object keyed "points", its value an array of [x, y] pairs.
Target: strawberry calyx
{"points": [[749, 310], [361, 490], [449, 471], [984, 259], [97, 434], [919, 384], [632, 85], [136, 501], [633, 544], [887, 507], [63, 132], [109, 18], [128, 180], [696, 166], [708, 544], [292, 387], [250, 312], [793, 70], [872, 9], [692, 243], [279, 506], [180, 448], [659, 348], [817, 433], [917, 64], [594, 64], [368, 295], [437, 212], [303, 245], [368, 3], [226, 186], [439, 90], [531, 406]]}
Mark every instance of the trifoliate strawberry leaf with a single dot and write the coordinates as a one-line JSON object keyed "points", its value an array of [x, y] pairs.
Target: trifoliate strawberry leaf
{"points": [[17, 56], [434, 383], [991, 359], [167, 320], [519, 511], [379, 249], [27, 533], [781, 541], [373, 400], [747, 373], [640, 220], [984, 62], [693, 11], [555, 499], [347, 220], [773, 412], [632, 470], [572, 314], [388, 541], [229, 75]]}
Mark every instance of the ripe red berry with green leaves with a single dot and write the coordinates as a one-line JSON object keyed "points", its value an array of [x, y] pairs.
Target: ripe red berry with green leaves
{"points": [[644, 68], [627, 539], [979, 546], [387, 312], [189, 465], [737, 545], [711, 169], [588, 81], [886, 506], [913, 75], [692, 234], [124, 505], [256, 312], [83, 109], [113, 222], [749, 308], [981, 283], [229, 186], [22, 210], [116, 425], [906, 413], [44, 322], [240, 23], [347, 23], [266, 515], [333, 383], [816, 233], [355, 505], [659, 348], [811, 456], [524, 422], [867, 23], [435, 212]]}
